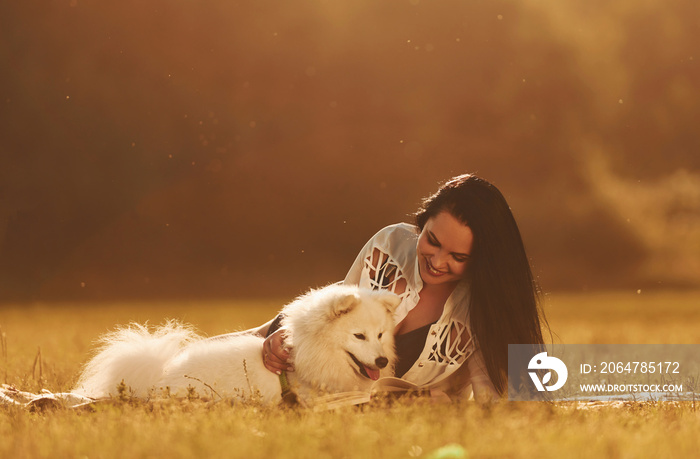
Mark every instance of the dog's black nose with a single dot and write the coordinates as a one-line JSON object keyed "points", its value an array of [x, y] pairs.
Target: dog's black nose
{"points": [[381, 362]]}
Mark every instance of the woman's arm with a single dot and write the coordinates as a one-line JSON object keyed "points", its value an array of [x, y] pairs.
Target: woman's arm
{"points": [[263, 329], [275, 354]]}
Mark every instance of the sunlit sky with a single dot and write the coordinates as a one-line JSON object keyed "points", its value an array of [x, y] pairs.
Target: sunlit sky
{"points": [[221, 148]]}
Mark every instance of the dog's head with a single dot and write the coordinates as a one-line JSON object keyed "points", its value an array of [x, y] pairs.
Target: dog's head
{"points": [[345, 339], [365, 321]]}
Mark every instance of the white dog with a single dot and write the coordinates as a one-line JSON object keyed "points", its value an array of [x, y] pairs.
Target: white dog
{"points": [[342, 340]]}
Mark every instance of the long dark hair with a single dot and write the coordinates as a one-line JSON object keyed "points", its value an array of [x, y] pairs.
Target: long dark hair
{"points": [[504, 305]]}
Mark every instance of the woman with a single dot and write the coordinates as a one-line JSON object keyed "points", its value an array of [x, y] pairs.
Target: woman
{"points": [[466, 287]]}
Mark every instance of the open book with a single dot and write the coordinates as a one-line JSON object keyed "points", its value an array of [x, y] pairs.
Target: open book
{"points": [[383, 387]]}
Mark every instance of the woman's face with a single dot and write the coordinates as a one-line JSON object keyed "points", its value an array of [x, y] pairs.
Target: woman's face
{"points": [[444, 246]]}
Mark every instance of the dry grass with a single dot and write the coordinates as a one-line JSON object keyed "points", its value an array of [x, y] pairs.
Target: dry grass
{"points": [[192, 428]]}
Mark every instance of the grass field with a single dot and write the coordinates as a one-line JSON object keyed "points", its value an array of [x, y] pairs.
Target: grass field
{"points": [[46, 344]]}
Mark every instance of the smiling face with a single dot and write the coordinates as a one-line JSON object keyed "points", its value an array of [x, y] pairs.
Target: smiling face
{"points": [[444, 247]]}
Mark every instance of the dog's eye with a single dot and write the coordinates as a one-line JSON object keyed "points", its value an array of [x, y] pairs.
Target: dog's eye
{"points": [[380, 336], [359, 336]]}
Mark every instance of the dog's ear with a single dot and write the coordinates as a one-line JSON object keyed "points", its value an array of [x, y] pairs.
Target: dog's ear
{"points": [[345, 303], [390, 301]]}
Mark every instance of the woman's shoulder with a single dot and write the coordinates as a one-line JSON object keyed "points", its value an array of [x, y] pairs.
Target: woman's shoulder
{"points": [[397, 231], [395, 237], [398, 242], [389, 259]]}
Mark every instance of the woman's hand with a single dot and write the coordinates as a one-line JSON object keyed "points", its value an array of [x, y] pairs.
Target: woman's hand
{"points": [[275, 354]]}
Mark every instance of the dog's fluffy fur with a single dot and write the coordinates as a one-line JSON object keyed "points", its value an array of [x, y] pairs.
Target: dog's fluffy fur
{"points": [[342, 339]]}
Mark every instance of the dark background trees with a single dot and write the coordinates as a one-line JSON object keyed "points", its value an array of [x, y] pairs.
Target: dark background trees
{"points": [[208, 149]]}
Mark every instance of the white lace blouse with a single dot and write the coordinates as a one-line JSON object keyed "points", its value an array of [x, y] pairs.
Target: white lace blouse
{"points": [[450, 360]]}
